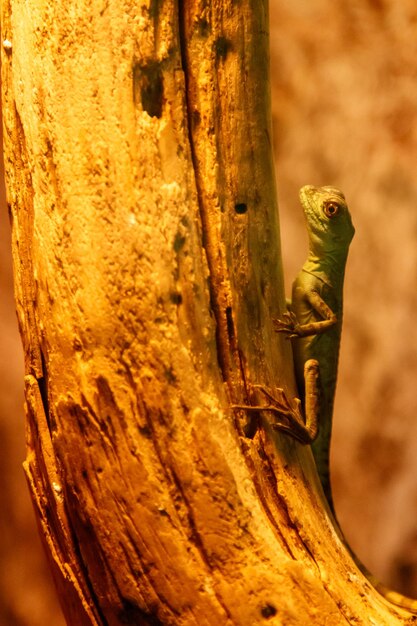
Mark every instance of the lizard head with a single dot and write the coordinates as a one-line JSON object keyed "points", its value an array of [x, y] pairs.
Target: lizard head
{"points": [[329, 224]]}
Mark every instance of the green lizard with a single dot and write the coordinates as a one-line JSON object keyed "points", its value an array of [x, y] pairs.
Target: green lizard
{"points": [[314, 318]]}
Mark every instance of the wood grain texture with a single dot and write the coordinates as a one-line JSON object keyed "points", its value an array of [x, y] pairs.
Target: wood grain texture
{"points": [[146, 247]]}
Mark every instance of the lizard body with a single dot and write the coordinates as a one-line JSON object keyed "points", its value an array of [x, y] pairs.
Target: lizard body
{"points": [[314, 319]]}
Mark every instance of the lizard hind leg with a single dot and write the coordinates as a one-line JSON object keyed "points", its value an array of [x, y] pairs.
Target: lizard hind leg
{"points": [[312, 397], [306, 431], [302, 428]]}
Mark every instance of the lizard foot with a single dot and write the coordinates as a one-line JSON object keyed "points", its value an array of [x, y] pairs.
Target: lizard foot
{"points": [[291, 413], [288, 325]]}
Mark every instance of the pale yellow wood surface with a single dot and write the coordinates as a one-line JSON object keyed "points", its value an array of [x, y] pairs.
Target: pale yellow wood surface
{"points": [[146, 247]]}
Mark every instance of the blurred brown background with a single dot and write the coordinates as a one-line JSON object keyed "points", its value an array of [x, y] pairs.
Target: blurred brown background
{"points": [[344, 94]]}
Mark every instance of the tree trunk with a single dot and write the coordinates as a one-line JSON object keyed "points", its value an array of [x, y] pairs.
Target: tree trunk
{"points": [[146, 257]]}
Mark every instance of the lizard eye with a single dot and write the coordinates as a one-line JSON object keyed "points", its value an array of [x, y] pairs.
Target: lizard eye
{"points": [[331, 208]]}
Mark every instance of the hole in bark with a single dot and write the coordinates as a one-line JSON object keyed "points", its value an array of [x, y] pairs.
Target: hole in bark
{"points": [[241, 208], [169, 375], [222, 47], [229, 321], [175, 297], [268, 611], [145, 431], [179, 241], [204, 27], [148, 88]]}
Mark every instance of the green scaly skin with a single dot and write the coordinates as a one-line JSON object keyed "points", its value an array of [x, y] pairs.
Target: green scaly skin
{"points": [[314, 322]]}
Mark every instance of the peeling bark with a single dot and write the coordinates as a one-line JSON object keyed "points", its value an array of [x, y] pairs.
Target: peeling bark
{"points": [[146, 256]]}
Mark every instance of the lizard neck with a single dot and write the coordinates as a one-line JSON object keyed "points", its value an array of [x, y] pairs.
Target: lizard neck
{"points": [[329, 267]]}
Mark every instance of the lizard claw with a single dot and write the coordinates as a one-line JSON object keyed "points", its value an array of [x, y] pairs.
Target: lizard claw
{"points": [[289, 414], [288, 325]]}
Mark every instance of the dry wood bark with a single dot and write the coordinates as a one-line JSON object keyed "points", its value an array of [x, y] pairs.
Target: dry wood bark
{"points": [[146, 247]]}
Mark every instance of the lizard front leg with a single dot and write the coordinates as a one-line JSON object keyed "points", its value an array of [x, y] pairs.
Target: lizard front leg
{"points": [[290, 326]]}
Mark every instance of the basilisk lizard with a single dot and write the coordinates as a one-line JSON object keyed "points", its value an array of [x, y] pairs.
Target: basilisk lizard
{"points": [[314, 318]]}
